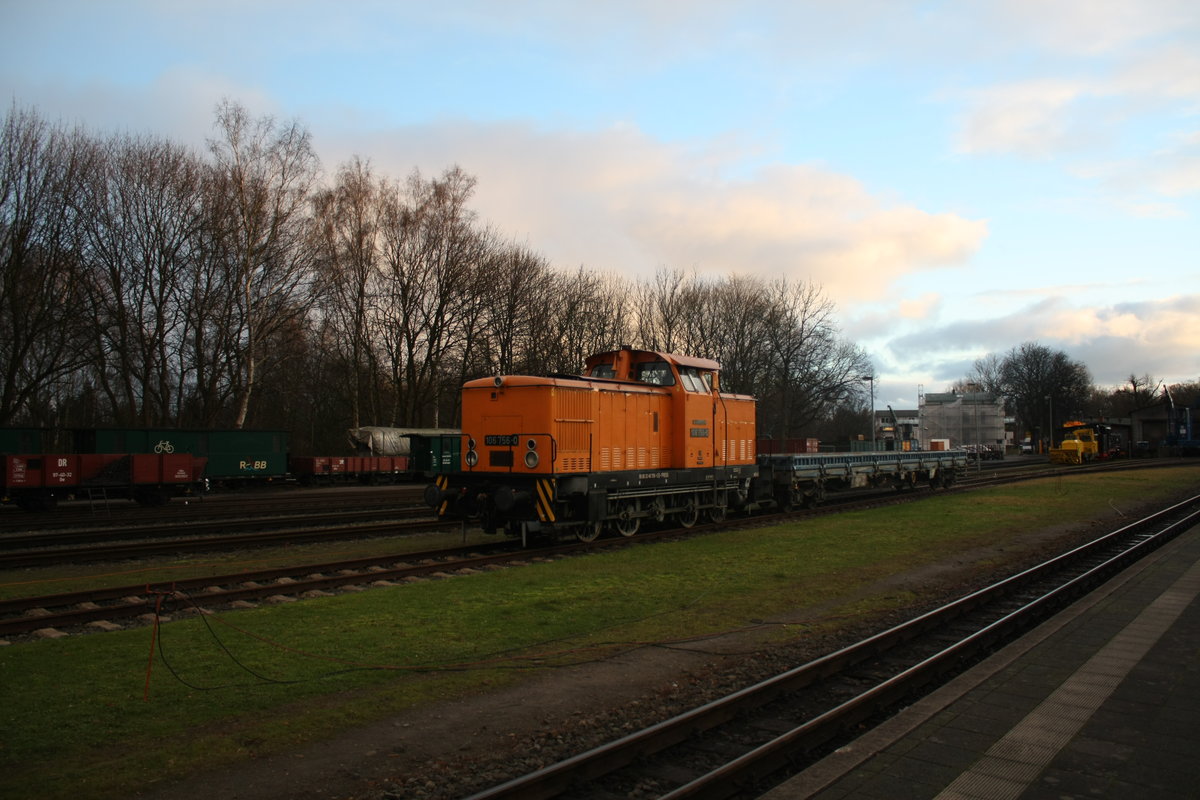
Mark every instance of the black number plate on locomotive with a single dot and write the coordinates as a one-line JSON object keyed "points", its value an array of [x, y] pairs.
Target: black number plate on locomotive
{"points": [[501, 441]]}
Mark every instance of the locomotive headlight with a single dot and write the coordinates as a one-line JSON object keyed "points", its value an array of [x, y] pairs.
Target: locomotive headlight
{"points": [[531, 444], [472, 458], [531, 459]]}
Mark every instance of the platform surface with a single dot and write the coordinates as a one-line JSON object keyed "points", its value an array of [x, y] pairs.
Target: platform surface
{"points": [[1102, 701]]}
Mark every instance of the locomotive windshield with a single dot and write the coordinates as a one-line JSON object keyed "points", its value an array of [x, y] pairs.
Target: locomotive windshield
{"points": [[655, 372], [603, 371]]}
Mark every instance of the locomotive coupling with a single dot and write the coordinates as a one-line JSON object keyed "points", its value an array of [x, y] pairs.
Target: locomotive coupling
{"points": [[506, 498], [435, 495]]}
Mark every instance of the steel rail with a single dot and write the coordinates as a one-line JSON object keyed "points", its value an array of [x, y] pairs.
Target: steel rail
{"points": [[82, 514], [284, 581], [558, 778], [299, 579], [180, 528], [756, 765], [75, 555]]}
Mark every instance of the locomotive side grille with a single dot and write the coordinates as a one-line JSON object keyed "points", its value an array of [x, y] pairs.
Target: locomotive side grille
{"points": [[576, 464], [575, 426]]}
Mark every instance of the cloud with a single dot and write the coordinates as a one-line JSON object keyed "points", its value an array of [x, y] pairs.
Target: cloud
{"points": [[1091, 27], [923, 308], [1031, 118], [1103, 87], [619, 200], [1155, 336]]}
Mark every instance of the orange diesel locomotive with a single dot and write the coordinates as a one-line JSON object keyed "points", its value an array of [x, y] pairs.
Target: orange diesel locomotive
{"points": [[641, 436]]}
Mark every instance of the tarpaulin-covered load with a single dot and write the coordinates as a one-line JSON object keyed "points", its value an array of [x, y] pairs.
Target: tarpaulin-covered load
{"points": [[376, 441]]}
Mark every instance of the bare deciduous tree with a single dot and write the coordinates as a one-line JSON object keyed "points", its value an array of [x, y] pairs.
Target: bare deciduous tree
{"points": [[382, 296], [1043, 386], [143, 213], [263, 174], [348, 239], [431, 254], [515, 286], [41, 171], [665, 307]]}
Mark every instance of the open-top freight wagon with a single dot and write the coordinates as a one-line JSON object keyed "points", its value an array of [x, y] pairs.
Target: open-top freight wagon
{"points": [[36, 482], [234, 457]]}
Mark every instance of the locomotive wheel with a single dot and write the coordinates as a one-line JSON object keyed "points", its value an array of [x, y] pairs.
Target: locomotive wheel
{"points": [[717, 513], [589, 531], [690, 514], [627, 522]]}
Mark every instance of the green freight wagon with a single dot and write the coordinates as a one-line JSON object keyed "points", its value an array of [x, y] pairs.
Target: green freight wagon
{"points": [[24, 441], [436, 454], [233, 455]]}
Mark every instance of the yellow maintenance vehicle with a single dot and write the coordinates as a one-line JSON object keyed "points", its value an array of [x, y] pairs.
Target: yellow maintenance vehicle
{"points": [[1083, 442]]}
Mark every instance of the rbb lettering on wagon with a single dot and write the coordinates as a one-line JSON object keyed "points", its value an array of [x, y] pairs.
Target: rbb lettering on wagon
{"points": [[252, 466]]}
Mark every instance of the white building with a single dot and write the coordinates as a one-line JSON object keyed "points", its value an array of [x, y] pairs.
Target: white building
{"points": [[969, 418]]}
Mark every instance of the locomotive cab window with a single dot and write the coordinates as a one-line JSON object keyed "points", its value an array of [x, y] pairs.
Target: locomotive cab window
{"points": [[657, 373], [696, 381], [603, 371]]}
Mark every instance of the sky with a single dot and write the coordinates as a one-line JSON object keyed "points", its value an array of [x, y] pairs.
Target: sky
{"points": [[958, 177]]}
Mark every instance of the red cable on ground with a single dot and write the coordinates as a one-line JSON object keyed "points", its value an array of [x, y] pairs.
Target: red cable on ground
{"points": [[153, 638]]}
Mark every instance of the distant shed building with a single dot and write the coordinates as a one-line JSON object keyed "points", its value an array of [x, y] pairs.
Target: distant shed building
{"points": [[966, 418], [896, 429]]}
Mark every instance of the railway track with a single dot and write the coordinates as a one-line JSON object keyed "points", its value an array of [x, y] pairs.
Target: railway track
{"points": [[55, 611], [202, 544], [27, 614], [79, 515], [738, 746], [184, 529]]}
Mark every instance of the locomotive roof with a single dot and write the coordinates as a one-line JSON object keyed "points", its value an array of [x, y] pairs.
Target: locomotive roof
{"points": [[673, 358], [627, 355]]}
